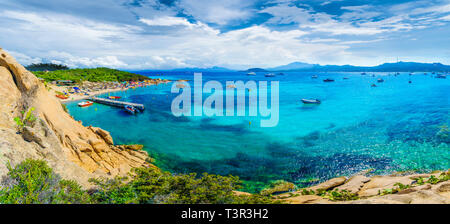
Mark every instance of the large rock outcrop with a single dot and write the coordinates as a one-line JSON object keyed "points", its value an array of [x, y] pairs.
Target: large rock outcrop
{"points": [[372, 190], [74, 151]]}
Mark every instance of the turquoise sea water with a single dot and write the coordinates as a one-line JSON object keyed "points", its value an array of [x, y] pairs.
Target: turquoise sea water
{"points": [[396, 126]]}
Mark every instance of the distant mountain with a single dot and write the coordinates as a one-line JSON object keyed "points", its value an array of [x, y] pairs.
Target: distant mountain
{"points": [[212, 69], [293, 66], [305, 67], [255, 70], [386, 67]]}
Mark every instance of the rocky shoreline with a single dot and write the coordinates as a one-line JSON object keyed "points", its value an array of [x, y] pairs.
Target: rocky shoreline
{"points": [[399, 188]]}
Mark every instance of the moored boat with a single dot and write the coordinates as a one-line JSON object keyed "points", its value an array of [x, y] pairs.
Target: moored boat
{"points": [[311, 101], [269, 75], [314, 77], [328, 80], [130, 109], [380, 80], [251, 73], [85, 104], [63, 97], [441, 76]]}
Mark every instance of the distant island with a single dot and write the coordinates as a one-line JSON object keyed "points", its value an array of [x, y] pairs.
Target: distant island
{"points": [[255, 70]]}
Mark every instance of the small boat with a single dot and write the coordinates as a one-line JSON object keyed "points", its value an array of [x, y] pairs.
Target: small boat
{"points": [[345, 78], [63, 97], [114, 97], [440, 76], [269, 75], [130, 109], [309, 101], [328, 80], [363, 73], [85, 104], [373, 85], [251, 73], [281, 73], [314, 77], [380, 80]]}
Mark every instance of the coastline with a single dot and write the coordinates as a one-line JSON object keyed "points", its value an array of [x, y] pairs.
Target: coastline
{"points": [[78, 97]]}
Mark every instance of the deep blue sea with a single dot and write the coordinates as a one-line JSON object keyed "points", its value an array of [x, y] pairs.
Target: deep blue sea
{"points": [[396, 126]]}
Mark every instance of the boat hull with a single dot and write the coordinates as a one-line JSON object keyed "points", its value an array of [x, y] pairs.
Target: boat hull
{"points": [[305, 101], [86, 104]]}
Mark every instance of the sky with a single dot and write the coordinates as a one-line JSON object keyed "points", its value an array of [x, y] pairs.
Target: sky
{"points": [[237, 34]]}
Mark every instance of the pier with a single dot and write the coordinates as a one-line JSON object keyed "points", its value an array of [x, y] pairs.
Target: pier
{"points": [[117, 103]]}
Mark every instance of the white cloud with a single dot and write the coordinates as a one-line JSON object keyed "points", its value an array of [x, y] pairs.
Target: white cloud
{"points": [[159, 38], [25, 59], [216, 11], [166, 21]]}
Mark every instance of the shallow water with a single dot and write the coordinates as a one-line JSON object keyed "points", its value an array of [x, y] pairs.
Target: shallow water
{"points": [[393, 127]]}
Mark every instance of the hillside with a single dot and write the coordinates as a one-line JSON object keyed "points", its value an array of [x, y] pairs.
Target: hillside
{"points": [[46, 67], [90, 74]]}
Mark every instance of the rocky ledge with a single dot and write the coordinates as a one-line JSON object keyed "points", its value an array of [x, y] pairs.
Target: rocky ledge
{"points": [[400, 188]]}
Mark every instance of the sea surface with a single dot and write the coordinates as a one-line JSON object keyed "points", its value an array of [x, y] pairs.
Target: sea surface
{"points": [[396, 126]]}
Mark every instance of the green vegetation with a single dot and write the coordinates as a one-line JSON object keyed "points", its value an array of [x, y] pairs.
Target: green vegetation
{"points": [[90, 74], [444, 176], [28, 119], [46, 67], [33, 181], [65, 108], [340, 195], [279, 186], [333, 195]]}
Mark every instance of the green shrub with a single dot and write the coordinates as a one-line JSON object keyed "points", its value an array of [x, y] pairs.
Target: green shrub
{"points": [[34, 182], [65, 108], [28, 119], [341, 195], [150, 185]]}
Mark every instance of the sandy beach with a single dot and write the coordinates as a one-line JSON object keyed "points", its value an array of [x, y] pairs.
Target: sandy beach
{"points": [[54, 90]]}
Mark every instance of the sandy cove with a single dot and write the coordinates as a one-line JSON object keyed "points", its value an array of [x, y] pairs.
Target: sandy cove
{"points": [[54, 89]]}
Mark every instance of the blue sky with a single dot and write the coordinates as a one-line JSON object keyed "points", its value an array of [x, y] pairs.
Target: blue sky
{"points": [[164, 34]]}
